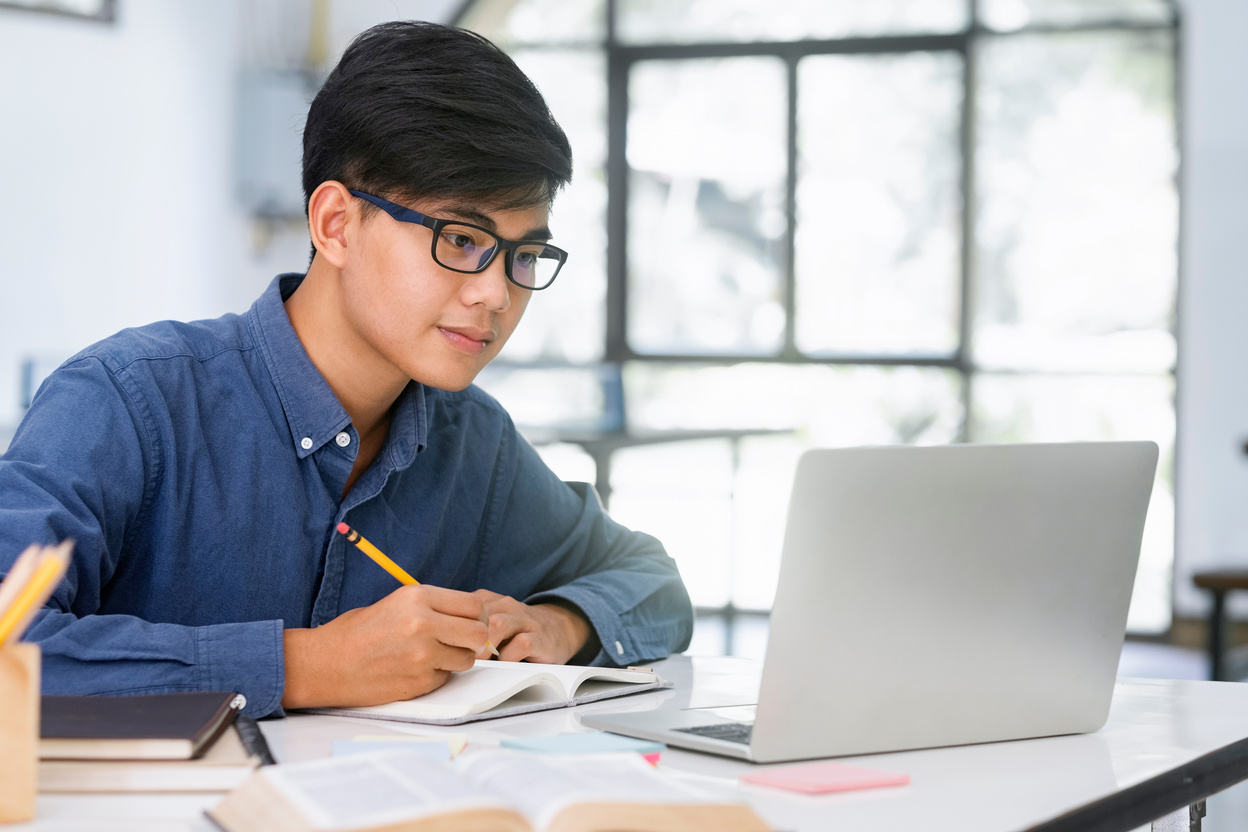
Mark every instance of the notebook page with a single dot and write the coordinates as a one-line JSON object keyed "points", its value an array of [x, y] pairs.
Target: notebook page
{"points": [[475, 690], [577, 679]]}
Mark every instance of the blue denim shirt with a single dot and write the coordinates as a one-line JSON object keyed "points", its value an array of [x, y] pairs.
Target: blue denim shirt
{"points": [[199, 467]]}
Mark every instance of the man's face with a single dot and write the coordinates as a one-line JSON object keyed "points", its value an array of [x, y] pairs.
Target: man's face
{"points": [[434, 325]]}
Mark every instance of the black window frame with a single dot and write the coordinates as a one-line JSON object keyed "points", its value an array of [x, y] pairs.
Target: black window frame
{"points": [[621, 57]]}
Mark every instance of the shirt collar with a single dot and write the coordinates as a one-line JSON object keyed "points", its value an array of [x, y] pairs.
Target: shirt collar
{"points": [[313, 413]]}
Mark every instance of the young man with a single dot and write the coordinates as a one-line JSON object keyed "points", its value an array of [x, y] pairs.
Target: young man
{"points": [[202, 468]]}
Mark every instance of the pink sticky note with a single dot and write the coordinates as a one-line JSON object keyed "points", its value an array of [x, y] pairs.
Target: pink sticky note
{"points": [[824, 777]]}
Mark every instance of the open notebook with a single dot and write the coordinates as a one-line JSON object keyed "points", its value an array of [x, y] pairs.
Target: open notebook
{"points": [[495, 689]]}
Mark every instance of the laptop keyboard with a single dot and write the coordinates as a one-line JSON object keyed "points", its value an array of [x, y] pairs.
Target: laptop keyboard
{"points": [[730, 731]]}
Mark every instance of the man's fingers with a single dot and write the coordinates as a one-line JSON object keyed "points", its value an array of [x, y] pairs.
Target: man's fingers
{"points": [[488, 597], [452, 602], [518, 648], [434, 679], [505, 627], [466, 633], [502, 627], [445, 657]]}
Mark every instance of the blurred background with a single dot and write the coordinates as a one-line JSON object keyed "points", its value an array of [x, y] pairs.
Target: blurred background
{"points": [[795, 224]]}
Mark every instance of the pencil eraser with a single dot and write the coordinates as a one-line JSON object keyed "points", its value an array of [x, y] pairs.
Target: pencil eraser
{"points": [[343, 528]]}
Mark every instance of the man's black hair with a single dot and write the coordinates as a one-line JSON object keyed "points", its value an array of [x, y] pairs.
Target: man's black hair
{"points": [[418, 110]]}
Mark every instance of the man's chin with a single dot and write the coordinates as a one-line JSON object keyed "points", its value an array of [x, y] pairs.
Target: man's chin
{"points": [[454, 373], [450, 382]]}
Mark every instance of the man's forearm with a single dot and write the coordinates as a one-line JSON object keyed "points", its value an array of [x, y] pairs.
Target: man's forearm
{"points": [[120, 654]]}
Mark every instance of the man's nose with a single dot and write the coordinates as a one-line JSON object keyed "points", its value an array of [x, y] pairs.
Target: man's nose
{"points": [[491, 288]]}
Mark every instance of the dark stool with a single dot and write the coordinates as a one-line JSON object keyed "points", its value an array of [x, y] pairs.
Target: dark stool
{"points": [[1219, 582]]}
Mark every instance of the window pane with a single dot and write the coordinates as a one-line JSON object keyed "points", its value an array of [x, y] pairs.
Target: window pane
{"points": [[1008, 15], [828, 405], [726, 531], [879, 201], [568, 320], [543, 22], [1078, 217], [566, 398], [1031, 408], [569, 462], [693, 21], [681, 492], [706, 145]]}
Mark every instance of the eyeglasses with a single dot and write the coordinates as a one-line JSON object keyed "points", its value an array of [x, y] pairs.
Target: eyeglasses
{"points": [[469, 249]]}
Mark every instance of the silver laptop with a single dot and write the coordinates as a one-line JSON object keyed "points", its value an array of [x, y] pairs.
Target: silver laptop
{"points": [[938, 596]]}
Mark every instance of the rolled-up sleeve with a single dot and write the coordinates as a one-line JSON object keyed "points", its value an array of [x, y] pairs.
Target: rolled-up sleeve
{"points": [[622, 580]]}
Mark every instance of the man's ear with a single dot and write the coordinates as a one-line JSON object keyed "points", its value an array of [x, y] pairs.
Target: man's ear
{"points": [[327, 221]]}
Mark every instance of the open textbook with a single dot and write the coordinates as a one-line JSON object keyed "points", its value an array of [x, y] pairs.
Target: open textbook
{"points": [[494, 689], [501, 791]]}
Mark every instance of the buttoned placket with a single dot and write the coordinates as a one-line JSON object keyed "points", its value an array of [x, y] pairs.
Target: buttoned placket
{"points": [[334, 461]]}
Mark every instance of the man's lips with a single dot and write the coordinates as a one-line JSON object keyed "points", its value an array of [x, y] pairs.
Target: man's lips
{"points": [[468, 339]]}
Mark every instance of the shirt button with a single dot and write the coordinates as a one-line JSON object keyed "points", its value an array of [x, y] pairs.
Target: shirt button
{"points": [[343, 439], [619, 649], [306, 443]]}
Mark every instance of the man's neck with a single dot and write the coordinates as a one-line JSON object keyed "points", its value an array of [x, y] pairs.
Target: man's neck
{"points": [[366, 385]]}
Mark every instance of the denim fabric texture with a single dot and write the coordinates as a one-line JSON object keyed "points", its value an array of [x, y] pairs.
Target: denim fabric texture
{"points": [[199, 468]]}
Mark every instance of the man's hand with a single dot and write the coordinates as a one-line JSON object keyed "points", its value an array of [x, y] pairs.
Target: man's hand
{"points": [[546, 633], [402, 646]]}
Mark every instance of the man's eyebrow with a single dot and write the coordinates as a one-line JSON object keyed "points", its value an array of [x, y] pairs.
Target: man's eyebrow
{"points": [[472, 215]]}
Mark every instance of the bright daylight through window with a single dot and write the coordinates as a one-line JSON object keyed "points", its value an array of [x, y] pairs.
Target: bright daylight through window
{"points": [[842, 222]]}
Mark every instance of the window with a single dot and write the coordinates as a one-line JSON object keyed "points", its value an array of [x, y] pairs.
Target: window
{"points": [[818, 223]]}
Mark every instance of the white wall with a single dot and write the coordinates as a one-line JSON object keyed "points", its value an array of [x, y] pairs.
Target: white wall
{"points": [[1212, 480], [115, 206], [117, 178]]}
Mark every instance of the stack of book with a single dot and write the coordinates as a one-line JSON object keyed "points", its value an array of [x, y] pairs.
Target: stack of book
{"points": [[173, 742], [184, 742]]}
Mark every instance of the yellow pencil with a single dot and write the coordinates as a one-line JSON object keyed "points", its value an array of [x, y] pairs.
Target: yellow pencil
{"points": [[19, 575], [43, 579], [379, 557]]}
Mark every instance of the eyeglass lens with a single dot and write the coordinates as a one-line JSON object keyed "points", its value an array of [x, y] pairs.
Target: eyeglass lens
{"points": [[469, 249]]}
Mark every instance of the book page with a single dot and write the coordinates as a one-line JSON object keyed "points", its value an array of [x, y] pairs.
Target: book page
{"points": [[591, 690], [374, 789], [474, 691], [575, 677], [542, 786], [492, 688]]}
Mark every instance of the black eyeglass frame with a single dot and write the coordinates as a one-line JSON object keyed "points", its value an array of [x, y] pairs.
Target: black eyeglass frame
{"points": [[405, 214]]}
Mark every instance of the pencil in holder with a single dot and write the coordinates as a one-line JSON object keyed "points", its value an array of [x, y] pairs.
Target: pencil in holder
{"points": [[19, 731]]}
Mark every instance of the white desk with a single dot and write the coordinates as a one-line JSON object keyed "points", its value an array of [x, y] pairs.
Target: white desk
{"points": [[1167, 744]]}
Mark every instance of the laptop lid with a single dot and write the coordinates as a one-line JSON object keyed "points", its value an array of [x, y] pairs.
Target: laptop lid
{"points": [[947, 595], [941, 596]]}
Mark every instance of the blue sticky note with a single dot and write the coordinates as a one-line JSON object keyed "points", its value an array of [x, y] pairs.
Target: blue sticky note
{"points": [[439, 751], [583, 743]]}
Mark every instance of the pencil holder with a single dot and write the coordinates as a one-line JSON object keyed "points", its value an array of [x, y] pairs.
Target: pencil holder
{"points": [[19, 731]]}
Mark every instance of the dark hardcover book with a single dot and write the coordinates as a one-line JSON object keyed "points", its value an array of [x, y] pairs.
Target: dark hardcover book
{"points": [[167, 726], [226, 764]]}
